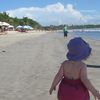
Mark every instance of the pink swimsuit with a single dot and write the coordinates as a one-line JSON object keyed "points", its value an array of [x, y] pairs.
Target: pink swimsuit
{"points": [[70, 89]]}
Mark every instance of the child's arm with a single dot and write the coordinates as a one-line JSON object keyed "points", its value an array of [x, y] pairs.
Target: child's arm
{"points": [[87, 82], [57, 79]]}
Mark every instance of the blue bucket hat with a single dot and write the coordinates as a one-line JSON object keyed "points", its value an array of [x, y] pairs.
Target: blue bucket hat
{"points": [[78, 49]]}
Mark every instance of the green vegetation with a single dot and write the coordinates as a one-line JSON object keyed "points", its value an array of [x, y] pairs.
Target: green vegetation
{"points": [[60, 27], [4, 17], [84, 26]]}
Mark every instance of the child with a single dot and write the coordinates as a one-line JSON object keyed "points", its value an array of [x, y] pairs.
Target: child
{"points": [[72, 75]]}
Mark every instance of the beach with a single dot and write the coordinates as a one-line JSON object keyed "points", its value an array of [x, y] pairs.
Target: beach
{"points": [[29, 62]]}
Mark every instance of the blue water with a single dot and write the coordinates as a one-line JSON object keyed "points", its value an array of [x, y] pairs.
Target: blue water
{"points": [[92, 35]]}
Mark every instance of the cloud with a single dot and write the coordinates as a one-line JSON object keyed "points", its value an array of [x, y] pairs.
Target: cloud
{"points": [[94, 19], [54, 14], [88, 11]]}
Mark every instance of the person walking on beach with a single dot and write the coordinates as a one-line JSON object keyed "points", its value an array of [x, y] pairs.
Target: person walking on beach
{"points": [[72, 75], [65, 30]]}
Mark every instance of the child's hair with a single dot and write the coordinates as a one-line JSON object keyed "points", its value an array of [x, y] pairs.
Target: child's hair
{"points": [[78, 49]]}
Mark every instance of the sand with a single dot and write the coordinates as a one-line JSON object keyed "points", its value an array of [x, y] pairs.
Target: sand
{"points": [[29, 61]]}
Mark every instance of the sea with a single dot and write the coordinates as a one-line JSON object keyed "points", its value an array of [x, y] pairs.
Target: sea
{"points": [[94, 34]]}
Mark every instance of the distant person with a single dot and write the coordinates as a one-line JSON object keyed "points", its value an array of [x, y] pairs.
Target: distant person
{"points": [[65, 30], [72, 75]]}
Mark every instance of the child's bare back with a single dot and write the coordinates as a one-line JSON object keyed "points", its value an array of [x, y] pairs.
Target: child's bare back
{"points": [[72, 69]]}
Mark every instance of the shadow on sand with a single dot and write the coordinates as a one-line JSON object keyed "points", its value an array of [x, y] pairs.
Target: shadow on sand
{"points": [[93, 66]]}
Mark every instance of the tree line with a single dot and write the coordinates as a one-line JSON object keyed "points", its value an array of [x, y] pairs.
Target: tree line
{"points": [[4, 17], [60, 27]]}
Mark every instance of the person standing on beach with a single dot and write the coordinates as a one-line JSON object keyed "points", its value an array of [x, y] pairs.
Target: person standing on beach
{"points": [[72, 75], [65, 30]]}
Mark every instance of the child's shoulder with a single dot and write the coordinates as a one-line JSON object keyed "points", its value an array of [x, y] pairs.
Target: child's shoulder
{"points": [[68, 62], [64, 62], [83, 64]]}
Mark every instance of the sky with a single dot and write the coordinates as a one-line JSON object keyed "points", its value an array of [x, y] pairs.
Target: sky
{"points": [[54, 12]]}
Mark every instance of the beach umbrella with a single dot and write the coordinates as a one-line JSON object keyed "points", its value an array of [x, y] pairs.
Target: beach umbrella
{"points": [[19, 26], [25, 27], [30, 27], [5, 24], [0, 23], [10, 26]]}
